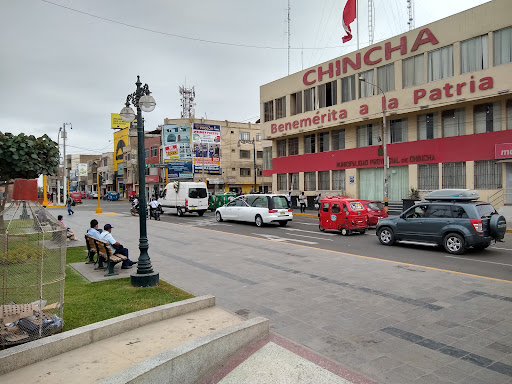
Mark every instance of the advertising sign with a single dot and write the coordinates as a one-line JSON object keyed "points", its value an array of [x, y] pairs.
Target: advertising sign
{"points": [[503, 151], [177, 153], [82, 169], [178, 168], [206, 148], [117, 123], [121, 140]]}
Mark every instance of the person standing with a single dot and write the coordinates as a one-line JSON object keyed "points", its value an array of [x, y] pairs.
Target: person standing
{"points": [[115, 246], [289, 198], [302, 202], [69, 201], [317, 201]]}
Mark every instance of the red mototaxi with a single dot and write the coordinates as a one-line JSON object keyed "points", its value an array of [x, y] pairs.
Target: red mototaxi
{"points": [[375, 210], [344, 214]]}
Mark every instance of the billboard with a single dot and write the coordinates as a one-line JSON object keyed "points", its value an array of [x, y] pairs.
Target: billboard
{"points": [[206, 148], [82, 169], [177, 150], [117, 123], [121, 140]]}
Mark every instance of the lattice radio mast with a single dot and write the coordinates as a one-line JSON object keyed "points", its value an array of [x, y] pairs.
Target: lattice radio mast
{"points": [[288, 36], [188, 96], [371, 21], [410, 11]]}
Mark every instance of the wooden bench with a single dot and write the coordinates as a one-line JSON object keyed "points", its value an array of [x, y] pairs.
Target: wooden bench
{"points": [[104, 252], [91, 250]]}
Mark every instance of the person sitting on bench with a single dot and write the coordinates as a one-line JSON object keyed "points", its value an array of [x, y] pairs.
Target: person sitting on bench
{"points": [[69, 233], [93, 231], [115, 246]]}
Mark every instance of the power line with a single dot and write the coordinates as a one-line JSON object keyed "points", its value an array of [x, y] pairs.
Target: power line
{"points": [[181, 36]]}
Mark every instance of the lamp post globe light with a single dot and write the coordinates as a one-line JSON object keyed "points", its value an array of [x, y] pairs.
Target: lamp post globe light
{"points": [[142, 100], [384, 139]]}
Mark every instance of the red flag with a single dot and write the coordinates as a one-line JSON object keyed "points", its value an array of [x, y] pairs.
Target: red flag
{"points": [[349, 15]]}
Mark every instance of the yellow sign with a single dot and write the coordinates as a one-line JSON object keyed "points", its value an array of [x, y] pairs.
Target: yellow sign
{"points": [[121, 140], [117, 122]]}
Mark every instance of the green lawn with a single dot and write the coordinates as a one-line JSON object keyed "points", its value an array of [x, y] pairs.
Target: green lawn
{"points": [[86, 302]]}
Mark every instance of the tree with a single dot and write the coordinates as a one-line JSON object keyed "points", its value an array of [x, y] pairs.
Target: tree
{"points": [[27, 157]]}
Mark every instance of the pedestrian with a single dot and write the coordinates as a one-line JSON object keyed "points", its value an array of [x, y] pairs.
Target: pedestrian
{"points": [[302, 202], [93, 231], [51, 197], [115, 246], [317, 201], [69, 233], [289, 198], [69, 201]]}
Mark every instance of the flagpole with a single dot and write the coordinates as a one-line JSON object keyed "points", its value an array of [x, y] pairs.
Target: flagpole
{"points": [[357, 21]]}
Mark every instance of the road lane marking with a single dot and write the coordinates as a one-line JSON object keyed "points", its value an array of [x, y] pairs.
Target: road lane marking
{"points": [[311, 237], [304, 230], [480, 261], [283, 239], [503, 249]]}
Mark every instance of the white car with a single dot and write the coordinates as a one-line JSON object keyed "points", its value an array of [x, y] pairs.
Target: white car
{"points": [[258, 208]]}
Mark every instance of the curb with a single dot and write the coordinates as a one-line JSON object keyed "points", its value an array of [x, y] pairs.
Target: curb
{"points": [[42, 349]]}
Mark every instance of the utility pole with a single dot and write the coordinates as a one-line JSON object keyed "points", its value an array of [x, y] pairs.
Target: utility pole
{"points": [[64, 136], [254, 161]]}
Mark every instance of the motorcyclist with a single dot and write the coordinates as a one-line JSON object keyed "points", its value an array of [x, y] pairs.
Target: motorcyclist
{"points": [[135, 204], [153, 206]]}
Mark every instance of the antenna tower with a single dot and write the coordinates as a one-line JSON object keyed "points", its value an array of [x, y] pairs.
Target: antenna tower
{"points": [[288, 36], [410, 11], [188, 96], [371, 21]]}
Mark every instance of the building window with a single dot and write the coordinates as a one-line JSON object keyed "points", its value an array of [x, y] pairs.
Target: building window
{"points": [[323, 142], [154, 151], [324, 182], [294, 181], [281, 107], [386, 77], [146, 171], [258, 137], [281, 148], [509, 114], [338, 180], [487, 117], [427, 126], [268, 110], [327, 94], [281, 182], [245, 172], [428, 177], [259, 154], [454, 122], [309, 99], [338, 139], [146, 153], [488, 174], [293, 146], [245, 154], [267, 158], [309, 143], [296, 103], [105, 162], [503, 46], [367, 134], [310, 181], [413, 71], [474, 54], [245, 136], [348, 88], [454, 175], [398, 130], [366, 89], [440, 63]]}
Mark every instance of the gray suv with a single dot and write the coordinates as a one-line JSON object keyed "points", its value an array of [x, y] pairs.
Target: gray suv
{"points": [[452, 218]]}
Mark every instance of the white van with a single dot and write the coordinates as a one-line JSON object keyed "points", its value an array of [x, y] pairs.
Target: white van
{"points": [[185, 197]]}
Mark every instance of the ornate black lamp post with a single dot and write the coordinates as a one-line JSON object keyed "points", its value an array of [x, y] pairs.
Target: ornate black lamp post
{"points": [[142, 100]]}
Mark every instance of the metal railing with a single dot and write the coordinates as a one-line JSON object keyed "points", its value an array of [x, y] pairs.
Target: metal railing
{"points": [[497, 199]]}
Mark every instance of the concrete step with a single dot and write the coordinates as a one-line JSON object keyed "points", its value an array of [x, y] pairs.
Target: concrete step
{"points": [[144, 346]]}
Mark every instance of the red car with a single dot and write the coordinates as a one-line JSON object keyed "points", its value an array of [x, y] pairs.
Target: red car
{"points": [[76, 196], [375, 210], [83, 195]]}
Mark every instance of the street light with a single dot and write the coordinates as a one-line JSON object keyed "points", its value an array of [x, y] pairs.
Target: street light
{"points": [[253, 142], [142, 100], [384, 139]]}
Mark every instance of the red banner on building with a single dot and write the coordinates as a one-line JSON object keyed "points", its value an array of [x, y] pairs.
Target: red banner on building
{"points": [[503, 151]]}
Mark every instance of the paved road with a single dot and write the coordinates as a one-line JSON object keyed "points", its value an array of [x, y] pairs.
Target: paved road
{"points": [[494, 262], [390, 321]]}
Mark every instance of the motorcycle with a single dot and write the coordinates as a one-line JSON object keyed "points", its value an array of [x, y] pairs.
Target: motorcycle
{"points": [[155, 212], [134, 210]]}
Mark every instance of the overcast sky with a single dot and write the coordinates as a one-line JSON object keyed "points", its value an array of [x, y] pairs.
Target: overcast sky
{"points": [[75, 61]]}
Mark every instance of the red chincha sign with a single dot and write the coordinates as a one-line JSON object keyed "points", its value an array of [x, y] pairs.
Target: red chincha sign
{"points": [[503, 151]]}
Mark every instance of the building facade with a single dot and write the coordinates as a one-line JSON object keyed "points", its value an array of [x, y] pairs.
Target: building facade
{"points": [[445, 90], [106, 171], [232, 161]]}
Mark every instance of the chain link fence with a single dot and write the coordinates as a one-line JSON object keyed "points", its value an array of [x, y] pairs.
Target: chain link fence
{"points": [[32, 267]]}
